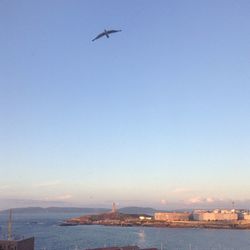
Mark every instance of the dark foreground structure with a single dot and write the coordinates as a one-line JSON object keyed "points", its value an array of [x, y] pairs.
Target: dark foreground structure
{"points": [[23, 244], [122, 248]]}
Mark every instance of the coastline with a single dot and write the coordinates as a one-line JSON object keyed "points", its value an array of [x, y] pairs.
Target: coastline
{"points": [[172, 224], [127, 220]]}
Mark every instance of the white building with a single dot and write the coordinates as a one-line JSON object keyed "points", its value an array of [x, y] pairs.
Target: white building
{"points": [[216, 215]]}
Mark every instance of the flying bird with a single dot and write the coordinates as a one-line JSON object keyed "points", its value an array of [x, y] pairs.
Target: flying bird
{"points": [[105, 33]]}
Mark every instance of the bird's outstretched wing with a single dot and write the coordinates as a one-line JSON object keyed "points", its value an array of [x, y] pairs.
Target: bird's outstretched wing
{"points": [[113, 31], [99, 36]]}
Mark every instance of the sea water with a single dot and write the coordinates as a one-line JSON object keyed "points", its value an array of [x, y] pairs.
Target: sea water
{"points": [[50, 235]]}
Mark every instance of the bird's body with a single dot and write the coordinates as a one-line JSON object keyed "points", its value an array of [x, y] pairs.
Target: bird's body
{"points": [[105, 33]]}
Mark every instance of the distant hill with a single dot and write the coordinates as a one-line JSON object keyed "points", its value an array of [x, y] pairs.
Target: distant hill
{"points": [[137, 210], [83, 210], [58, 210]]}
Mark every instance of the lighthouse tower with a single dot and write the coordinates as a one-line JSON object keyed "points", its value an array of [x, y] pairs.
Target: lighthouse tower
{"points": [[114, 210]]}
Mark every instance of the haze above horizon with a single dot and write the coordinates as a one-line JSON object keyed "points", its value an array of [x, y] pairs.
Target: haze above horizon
{"points": [[157, 115]]}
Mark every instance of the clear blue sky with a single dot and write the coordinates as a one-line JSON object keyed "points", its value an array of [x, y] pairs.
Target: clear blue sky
{"points": [[158, 114]]}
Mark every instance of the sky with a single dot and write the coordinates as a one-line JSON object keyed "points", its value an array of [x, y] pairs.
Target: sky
{"points": [[157, 115]]}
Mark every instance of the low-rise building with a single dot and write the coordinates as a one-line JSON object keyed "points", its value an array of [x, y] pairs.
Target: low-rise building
{"points": [[164, 216], [215, 216], [244, 216], [23, 244], [142, 217]]}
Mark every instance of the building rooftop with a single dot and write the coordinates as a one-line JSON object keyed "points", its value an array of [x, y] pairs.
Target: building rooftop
{"points": [[19, 244], [123, 248]]}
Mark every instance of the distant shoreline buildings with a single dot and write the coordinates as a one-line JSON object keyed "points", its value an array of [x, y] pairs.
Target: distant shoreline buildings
{"points": [[204, 215]]}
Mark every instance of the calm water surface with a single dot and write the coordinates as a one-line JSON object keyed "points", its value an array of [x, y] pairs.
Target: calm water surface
{"points": [[50, 236]]}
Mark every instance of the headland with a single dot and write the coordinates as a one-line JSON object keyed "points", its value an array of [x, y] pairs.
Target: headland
{"points": [[129, 220]]}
